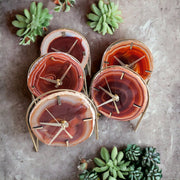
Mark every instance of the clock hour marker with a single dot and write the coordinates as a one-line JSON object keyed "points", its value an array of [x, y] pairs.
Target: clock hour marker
{"points": [[131, 45], [67, 143], [122, 75], [110, 114], [80, 77], [148, 71], [135, 105], [59, 100], [38, 127], [119, 61], [84, 53], [87, 119], [63, 34]]}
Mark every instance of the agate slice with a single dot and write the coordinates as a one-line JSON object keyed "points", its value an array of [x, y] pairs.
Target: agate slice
{"points": [[119, 93], [65, 118], [131, 53], [55, 71], [69, 41]]}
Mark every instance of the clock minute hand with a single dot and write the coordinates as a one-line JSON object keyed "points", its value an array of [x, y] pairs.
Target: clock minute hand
{"points": [[115, 105], [107, 92], [49, 80], [51, 124], [57, 134]]}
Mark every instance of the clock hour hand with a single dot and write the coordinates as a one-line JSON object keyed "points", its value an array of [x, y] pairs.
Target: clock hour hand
{"points": [[57, 134], [107, 92], [129, 65], [49, 80], [50, 124]]}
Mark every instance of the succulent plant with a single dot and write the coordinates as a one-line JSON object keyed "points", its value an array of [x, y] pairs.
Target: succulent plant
{"points": [[136, 174], [150, 157], [133, 152], [111, 166], [64, 5], [105, 17], [33, 23], [89, 175], [154, 173]]}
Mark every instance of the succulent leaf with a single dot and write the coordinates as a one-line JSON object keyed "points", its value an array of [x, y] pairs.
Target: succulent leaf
{"points": [[33, 22], [105, 154], [107, 15], [154, 173], [99, 162]]}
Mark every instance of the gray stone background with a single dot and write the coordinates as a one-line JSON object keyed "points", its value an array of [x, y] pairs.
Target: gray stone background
{"points": [[154, 22]]}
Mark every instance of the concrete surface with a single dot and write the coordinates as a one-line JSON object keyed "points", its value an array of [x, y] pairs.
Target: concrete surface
{"points": [[157, 24]]}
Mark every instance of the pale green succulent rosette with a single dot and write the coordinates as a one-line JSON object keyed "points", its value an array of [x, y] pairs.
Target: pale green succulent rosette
{"points": [[105, 17], [33, 23]]}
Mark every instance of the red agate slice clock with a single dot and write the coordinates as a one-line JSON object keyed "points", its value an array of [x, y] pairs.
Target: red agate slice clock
{"points": [[55, 71], [65, 118], [119, 93], [69, 41], [131, 53]]}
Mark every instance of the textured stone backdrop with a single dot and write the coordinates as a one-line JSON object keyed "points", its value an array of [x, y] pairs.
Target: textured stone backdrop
{"points": [[157, 24]]}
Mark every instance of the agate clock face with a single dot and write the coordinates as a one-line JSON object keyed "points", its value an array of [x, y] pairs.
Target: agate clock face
{"points": [[55, 71], [130, 53], [65, 118], [68, 41], [119, 93]]}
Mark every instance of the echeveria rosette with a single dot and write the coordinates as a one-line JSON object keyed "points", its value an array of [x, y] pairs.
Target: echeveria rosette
{"points": [[33, 23], [105, 17], [135, 174], [150, 157], [64, 5], [153, 173], [111, 166], [133, 152]]}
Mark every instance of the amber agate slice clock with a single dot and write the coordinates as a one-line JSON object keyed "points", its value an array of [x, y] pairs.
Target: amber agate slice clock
{"points": [[69, 41], [55, 70], [130, 53], [64, 118], [119, 93]]}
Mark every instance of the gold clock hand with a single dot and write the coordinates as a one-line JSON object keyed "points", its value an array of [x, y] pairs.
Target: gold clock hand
{"points": [[59, 81], [51, 124], [119, 61], [72, 47], [68, 133], [129, 65], [57, 134], [106, 102], [115, 105], [107, 92], [49, 80], [52, 115]]}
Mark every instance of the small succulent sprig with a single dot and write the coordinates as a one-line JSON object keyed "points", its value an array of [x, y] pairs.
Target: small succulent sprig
{"points": [[111, 165], [105, 17], [150, 157], [133, 152], [64, 5], [154, 173], [88, 175], [136, 174], [33, 23]]}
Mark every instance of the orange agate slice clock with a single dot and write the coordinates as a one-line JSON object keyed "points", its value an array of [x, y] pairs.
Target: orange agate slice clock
{"points": [[69, 41], [119, 93], [64, 118], [130, 53], [56, 70]]}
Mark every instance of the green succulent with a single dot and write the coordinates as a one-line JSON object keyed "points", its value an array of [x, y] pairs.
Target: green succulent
{"points": [[150, 157], [33, 23], [64, 5], [154, 173], [136, 174], [105, 17], [133, 152], [111, 165], [88, 175]]}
